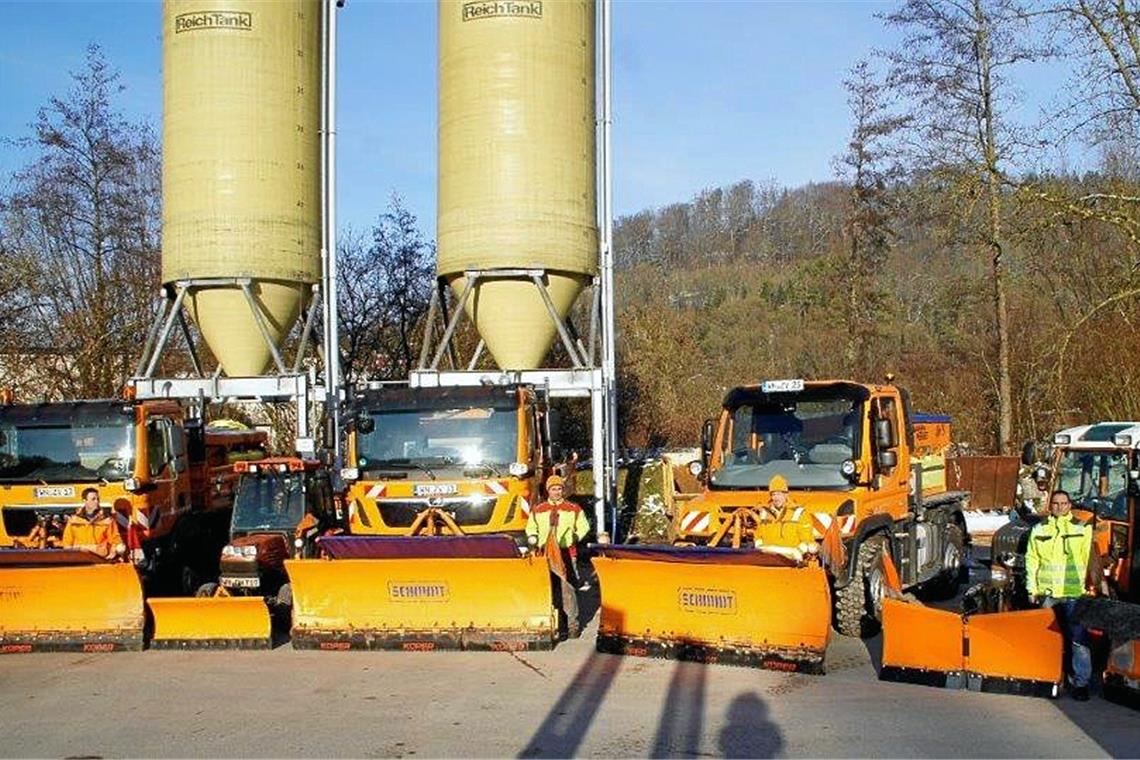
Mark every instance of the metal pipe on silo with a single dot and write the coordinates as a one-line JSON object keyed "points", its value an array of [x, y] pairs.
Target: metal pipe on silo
{"points": [[329, 237]]}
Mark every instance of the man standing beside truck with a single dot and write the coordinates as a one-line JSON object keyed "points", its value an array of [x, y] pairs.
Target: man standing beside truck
{"points": [[92, 530], [1060, 565], [561, 523]]}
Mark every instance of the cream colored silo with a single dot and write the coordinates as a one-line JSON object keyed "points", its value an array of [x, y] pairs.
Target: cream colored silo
{"points": [[517, 162], [241, 165]]}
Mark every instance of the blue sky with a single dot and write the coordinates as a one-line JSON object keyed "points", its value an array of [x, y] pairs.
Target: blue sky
{"points": [[706, 93]]}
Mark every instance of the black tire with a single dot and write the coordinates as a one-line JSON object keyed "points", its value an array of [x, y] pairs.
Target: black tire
{"points": [[955, 568], [207, 590], [858, 605]]}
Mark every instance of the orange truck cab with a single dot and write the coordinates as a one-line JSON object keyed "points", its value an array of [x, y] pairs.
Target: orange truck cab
{"points": [[447, 461], [754, 582], [859, 465], [151, 467]]}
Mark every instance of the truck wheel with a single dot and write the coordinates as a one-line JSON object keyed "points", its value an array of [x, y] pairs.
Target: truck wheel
{"points": [[954, 568], [858, 605], [207, 590]]}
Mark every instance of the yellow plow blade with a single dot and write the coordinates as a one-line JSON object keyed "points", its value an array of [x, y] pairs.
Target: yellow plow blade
{"points": [[1003, 652], [72, 608], [737, 607], [406, 594], [219, 622], [1016, 646]]}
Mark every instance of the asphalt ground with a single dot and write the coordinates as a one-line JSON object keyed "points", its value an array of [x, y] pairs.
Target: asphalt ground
{"points": [[572, 701]]}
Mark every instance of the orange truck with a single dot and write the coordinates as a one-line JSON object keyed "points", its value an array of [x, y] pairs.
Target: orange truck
{"points": [[165, 481], [441, 482], [747, 582]]}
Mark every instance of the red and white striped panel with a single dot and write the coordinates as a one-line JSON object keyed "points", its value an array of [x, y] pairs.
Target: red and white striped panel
{"points": [[695, 522], [494, 487], [376, 491], [148, 521], [821, 521]]}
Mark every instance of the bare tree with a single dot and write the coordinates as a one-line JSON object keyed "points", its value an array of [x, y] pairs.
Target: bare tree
{"points": [[867, 167], [953, 64], [83, 225], [384, 284]]}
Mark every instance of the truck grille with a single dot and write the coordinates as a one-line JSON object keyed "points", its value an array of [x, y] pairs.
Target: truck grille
{"points": [[465, 512]]}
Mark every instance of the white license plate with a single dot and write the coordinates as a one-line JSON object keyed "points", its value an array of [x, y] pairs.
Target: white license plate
{"points": [[55, 492], [241, 582], [782, 386], [436, 489]]}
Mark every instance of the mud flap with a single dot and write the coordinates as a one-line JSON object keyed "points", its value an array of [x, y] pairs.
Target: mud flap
{"points": [[423, 594], [78, 604], [1005, 652], [737, 607], [219, 622]]}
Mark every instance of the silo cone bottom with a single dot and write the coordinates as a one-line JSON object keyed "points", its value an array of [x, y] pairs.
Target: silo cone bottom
{"points": [[227, 324], [512, 318]]}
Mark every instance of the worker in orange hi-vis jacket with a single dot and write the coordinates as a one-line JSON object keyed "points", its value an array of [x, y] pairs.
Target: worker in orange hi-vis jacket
{"points": [[92, 530], [557, 525]]}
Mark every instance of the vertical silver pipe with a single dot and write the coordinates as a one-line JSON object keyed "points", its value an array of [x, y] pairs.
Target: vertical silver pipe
{"points": [[332, 326], [609, 358]]}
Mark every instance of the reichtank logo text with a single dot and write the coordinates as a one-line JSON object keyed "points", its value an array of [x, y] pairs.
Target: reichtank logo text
{"points": [[707, 600], [418, 592], [234, 20], [497, 8]]}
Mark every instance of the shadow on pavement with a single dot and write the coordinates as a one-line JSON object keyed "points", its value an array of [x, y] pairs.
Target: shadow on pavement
{"points": [[1115, 727], [874, 647], [565, 726], [749, 732], [679, 727]]}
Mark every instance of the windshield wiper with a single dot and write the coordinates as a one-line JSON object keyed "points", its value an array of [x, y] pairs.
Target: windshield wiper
{"points": [[490, 466], [408, 464]]}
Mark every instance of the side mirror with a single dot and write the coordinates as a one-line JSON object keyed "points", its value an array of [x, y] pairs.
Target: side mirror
{"points": [[885, 437], [707, 431], [887, 459], [365, 424], [1028, 453]]}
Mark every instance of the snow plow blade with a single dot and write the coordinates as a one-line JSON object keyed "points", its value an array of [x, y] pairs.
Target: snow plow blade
{"points": [[57, 600], [731, 606], [218, 622], [422, 594], [1002, 652]]}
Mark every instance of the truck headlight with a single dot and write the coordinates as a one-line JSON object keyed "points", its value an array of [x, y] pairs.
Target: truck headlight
{"points": [[240, 552]]}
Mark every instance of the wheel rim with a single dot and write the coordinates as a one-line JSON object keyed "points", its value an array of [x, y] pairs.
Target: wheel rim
{"points": [[875, 591], [952, 559]]}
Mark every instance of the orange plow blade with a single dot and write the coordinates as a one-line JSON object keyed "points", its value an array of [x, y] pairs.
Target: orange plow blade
{"points": [[1004, 652], [218, 622], [422, 594], [738, 607], [61, 600]]}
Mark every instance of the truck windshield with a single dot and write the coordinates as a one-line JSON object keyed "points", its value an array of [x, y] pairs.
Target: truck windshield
{"points": [[269, 501], [66, 453], [440, 437], [1096, 480], [806, 441]]}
